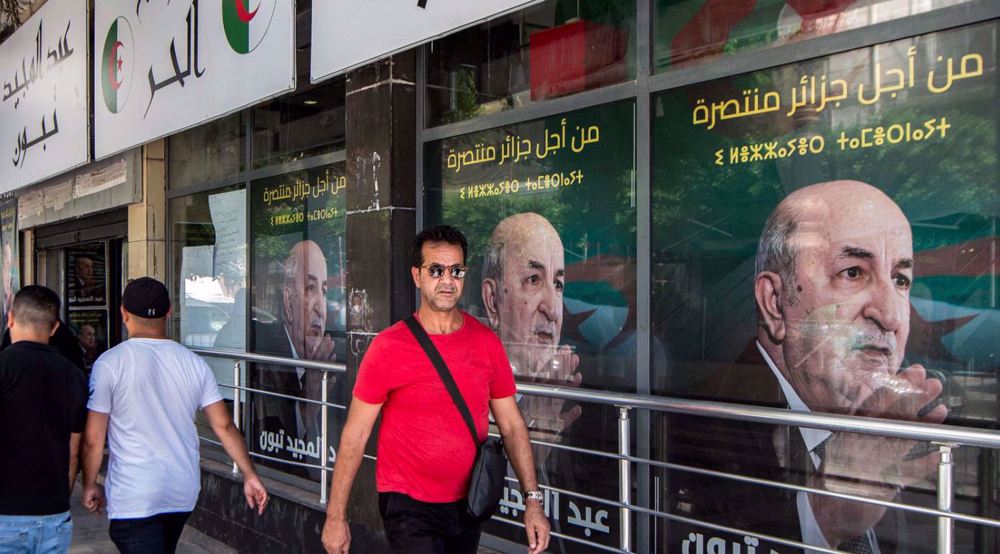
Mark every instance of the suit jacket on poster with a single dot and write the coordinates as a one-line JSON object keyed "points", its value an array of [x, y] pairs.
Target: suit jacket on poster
{"points": [[273, 414], [763, 451], [771, 452]]}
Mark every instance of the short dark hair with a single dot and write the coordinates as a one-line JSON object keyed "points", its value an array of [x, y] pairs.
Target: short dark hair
{"points": [[440, 233], [36, 306]]}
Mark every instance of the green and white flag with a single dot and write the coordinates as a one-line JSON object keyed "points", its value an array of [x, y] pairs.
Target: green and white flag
{"points": [[116, 65], [246, 22]]}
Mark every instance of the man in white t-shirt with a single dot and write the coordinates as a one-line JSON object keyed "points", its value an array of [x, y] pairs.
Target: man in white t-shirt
{"points": [[143, 396]]}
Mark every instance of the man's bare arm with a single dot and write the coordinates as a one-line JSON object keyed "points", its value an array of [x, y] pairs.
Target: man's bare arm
{"points": [[518, 446], [232, 442], [93, 454], [360, 419]]}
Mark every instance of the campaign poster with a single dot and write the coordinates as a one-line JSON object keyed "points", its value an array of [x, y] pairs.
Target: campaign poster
{"points": [[298, 248], [86, 275], [548, 208], [10, 273], [90, 327], [824, 239]]}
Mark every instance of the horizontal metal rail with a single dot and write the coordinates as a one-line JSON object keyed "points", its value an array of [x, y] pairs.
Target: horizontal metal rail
{"points": [[336, 367], [706, 408], [285, 396], [833, 422]]}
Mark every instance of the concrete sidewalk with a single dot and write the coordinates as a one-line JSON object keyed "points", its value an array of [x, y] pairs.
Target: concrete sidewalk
{"points": [[90, 534]]}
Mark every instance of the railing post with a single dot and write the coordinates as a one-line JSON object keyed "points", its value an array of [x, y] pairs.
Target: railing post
{"points": [[236, 402], [324, 441], [624, 479], [945, 494]]}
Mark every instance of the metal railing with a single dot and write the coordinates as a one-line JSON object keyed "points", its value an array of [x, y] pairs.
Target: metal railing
{"points": [[945, 437], [324, 403]]}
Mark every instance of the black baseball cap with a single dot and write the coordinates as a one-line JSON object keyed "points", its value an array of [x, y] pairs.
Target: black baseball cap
{"points": [[147, 298]]}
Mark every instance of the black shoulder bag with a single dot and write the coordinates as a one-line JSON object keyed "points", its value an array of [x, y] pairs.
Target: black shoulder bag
{"points": [[490, 468]]}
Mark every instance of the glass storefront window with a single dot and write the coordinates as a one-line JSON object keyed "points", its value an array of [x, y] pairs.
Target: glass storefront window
{"points": [[824, 239], [208, 248], [548, 207], [298, 306], [688, 32], [553, 49], [207, 153], [297, 126]]}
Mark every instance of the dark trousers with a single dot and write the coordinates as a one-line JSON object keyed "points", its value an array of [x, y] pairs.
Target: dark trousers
{"points": [[157, 534], [416, 527]]}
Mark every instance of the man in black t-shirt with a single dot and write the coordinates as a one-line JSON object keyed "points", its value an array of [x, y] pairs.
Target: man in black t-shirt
{"points": [[43, 401]]}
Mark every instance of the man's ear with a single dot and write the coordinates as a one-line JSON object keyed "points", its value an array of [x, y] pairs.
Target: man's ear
{"points": [[54, 328], [767, 294], [490, 302], [10, 319], [286, 300], [415, 273]]}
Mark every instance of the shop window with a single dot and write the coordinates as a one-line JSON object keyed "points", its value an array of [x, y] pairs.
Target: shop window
{"points": [[688, 32], [301, 125], [207, 153], [832, 223], [298, 309], [208, 249], [548, 207], [556, 48]]}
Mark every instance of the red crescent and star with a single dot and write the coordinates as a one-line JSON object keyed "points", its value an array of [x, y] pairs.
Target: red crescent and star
{"points": [[115, 65], [241, 11]]}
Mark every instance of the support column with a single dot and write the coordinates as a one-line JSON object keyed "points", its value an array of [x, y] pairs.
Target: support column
{"points": [[381, 215], [147, 220], [28, 257]]}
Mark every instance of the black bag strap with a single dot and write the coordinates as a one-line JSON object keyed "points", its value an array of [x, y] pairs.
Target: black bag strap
{"points": [[449, 382]]}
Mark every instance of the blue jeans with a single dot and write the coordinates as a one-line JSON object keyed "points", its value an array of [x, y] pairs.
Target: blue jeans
{"points": [[35, 534]]}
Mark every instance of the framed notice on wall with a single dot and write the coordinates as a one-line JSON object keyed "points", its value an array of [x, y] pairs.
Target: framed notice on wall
{"points": [[86, 275]]}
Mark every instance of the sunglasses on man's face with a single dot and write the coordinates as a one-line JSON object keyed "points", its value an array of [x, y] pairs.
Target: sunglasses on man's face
{"points": [[436, 271]]}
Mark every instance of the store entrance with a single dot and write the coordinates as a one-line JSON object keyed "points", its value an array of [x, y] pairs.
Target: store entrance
{"points": [[88, 273]]}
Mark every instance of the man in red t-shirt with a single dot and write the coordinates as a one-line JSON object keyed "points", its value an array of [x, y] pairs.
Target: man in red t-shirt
{"points": [[425, 454]]}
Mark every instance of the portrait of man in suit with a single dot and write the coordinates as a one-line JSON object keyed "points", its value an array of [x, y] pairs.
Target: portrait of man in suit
{"points": [[300, 333], [833, 273], [87, 338], [86, 279]]}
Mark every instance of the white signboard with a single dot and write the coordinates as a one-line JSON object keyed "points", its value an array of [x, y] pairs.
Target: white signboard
{"points": [[350, 33], [43, 113], [162, 66]]}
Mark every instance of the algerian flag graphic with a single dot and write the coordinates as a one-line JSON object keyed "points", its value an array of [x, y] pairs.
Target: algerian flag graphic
{"points": [[116, 65], [246, 22]]}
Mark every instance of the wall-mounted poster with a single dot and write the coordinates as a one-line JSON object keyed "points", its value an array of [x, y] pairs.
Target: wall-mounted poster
{"points": [[548, 207], [824, 239], [91, 330], [86, 275], [10, 273], [298, 246]]}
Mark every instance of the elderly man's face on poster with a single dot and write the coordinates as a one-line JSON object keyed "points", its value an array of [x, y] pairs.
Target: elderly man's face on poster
{"points": [[305, 297], [842, 320], [525, 302]]}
